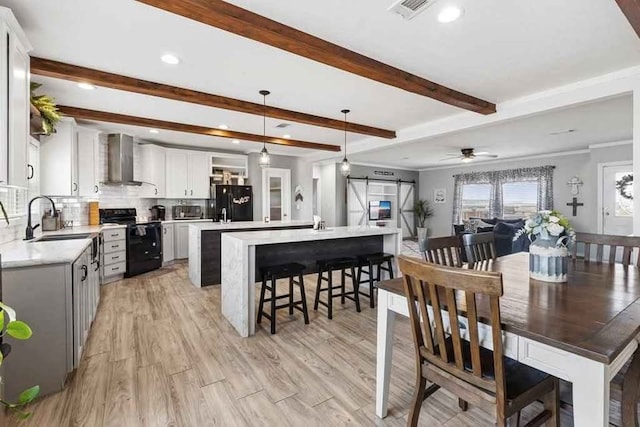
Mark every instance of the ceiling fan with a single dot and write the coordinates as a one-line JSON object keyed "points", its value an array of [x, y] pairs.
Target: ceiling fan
{"points": [[468, 155]]}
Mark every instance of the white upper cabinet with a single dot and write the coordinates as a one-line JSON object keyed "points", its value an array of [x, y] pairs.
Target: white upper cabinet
{"points": [[187, 174], [150, 170], [14, 106], [59, 161], [199, 174], [88, 162]]}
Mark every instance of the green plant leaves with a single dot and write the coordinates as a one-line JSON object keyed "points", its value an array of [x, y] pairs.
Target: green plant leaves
{"points": [[19, 330], [10, 311], [28, 395]]}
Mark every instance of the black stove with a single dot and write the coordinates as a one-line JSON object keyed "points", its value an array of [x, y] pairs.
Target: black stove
{"points": [[144, 240]]}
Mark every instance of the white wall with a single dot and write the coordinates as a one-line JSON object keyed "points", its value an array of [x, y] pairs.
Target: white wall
{"points": [[584, 165], [301, 174]]}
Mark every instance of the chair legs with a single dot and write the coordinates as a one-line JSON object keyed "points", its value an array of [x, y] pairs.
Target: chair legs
{"points": [[551, 402], [416, 402]]}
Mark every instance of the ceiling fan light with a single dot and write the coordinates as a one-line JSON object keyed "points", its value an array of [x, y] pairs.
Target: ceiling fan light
{"points": [[467, 160]]}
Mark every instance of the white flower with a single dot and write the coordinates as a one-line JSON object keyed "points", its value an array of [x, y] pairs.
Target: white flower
{"points": [[555, 229], [530, 223], [554, 219]]}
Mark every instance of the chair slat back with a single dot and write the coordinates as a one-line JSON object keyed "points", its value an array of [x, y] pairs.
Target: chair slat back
{"points": [[597, 242], [444, 289], [479, 247], [444, 251]]}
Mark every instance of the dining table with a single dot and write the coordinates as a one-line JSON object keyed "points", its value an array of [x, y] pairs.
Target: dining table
{"points": [[582, 331]]}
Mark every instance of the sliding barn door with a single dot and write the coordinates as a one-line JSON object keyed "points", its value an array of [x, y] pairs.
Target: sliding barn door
{"points": [[406, 202], [357, 202]]}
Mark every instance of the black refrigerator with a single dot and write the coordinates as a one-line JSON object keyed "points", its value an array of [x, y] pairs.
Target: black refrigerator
{"points": [[237, 200]]}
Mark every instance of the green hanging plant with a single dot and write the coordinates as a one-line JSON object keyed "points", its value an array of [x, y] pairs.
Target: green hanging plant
{"points": [[16, 329], [48, 110]]}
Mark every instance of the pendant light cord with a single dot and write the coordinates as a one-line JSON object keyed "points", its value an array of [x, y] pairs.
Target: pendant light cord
{"points": [[264, 121], [345, 134]]}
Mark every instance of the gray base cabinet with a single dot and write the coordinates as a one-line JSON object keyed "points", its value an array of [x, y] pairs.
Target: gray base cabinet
{"points": [[59, 302]]}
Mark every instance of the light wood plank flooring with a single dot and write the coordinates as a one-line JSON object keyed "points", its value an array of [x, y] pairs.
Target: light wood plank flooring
{"points": [[161, 354]]}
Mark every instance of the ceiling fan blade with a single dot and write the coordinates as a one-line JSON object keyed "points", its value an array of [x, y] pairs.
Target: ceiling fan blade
{"points": [[451, 158], [487, 156]]}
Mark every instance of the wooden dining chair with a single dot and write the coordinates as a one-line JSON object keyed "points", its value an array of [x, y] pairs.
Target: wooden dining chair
{"points": [[597, 242], [444, 251], [495, 383], [479, 247]]}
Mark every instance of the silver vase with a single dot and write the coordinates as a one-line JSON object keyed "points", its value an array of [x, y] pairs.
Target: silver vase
{"points": [[549, 259]]}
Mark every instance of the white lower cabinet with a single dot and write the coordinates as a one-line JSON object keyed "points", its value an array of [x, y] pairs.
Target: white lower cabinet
{"points": [[168, 242], [114, 254], [182, 241]]}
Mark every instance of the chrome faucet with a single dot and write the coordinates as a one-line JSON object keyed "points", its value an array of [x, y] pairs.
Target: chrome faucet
{"points": [[29, 231], [224, 214]]}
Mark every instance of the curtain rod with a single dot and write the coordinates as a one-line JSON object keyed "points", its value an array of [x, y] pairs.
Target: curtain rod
{"points": [[502, 170]]}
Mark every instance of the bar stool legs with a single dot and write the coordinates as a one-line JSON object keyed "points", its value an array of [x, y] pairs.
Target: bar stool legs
{"points": [[328, 268], [374, 263], [271, 274]]}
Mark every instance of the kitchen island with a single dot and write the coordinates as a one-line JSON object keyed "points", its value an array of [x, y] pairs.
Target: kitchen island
{"points": [[205, 241], [243, 253]]}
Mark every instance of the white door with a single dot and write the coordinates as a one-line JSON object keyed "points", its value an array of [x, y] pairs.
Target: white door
{"points": [[617, 199], [167, 243], [406, 202], [276, 191], [357, 208], [88, 151], [177, 174], [199, 175]]}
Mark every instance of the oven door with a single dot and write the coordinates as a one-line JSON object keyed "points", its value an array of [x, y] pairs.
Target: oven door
{"points": [[144, 248]]}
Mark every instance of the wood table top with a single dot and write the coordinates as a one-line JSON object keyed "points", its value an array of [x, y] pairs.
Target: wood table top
{"points": [[595, 314]]}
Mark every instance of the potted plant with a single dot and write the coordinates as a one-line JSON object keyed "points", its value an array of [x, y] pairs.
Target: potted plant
{"points": [[47, 109], [423, 211]]}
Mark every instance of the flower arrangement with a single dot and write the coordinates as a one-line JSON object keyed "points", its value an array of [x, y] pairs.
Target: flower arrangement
{"points": [[546, 224]]}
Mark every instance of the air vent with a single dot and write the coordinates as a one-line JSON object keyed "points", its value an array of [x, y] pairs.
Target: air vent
{"points": [[409, 9], [283, 125]]}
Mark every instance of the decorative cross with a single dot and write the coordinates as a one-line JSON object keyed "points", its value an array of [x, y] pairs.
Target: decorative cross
{"points": [[574, 204]]}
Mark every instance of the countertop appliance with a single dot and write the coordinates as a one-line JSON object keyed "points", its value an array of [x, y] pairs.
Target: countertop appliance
{"points": [[186, 212], [144, 240], [235, 200], [158, 213]]}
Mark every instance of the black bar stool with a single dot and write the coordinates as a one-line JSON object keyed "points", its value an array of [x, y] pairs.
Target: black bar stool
{"points": [[273, 273], [329, 266], [371, 261]]}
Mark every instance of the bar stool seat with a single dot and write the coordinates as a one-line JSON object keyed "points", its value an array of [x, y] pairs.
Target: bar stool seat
{"points": [[329, 266], [366, 265], [272, 273]]}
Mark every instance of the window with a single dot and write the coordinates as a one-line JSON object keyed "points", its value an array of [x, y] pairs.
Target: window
{"points": [[519, 199], [475, 201]]}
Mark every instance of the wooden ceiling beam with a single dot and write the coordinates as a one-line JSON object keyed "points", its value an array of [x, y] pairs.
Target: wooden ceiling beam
{"points": [[631, 9], [103, 116], [59, 70], [231, 18]]}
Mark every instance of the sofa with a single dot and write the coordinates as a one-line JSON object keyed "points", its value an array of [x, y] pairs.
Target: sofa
{"points": [[504, 231]]}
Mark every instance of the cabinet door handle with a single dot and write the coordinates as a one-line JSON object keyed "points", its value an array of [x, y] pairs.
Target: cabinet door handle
{"points": [[32, 172], [192, 192], [97, 266], [185, 192], [115, 246], [85, 272], [75, 187], [95, 189], [116, 257], [165, 231], [114, 235], [156, 190]]}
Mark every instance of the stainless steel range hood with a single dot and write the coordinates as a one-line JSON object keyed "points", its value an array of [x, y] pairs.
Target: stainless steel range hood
{"points": [[120, 163]]}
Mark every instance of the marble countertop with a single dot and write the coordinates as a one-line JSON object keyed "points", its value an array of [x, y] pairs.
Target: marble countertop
{"points": [[266, 237], [19, 253], [248, 224], [178, 221]]}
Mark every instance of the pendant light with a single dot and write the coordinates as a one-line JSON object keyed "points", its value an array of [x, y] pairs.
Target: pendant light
{"points": [[265, 159], [345, 167]]}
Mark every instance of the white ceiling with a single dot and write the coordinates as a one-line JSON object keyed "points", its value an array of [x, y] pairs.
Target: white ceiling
{"points": [[498, 51], [599, 122]]}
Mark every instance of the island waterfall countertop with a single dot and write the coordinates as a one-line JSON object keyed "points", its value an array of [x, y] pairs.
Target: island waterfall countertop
{"points": [[21, 253], [243, 253], [204, 245]]}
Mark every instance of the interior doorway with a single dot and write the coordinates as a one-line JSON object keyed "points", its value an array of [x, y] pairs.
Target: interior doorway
{"points": [[615, 198], [276, 190]]}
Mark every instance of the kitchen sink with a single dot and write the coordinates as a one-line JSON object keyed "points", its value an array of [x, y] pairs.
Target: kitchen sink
{"points": [[62, 237]]}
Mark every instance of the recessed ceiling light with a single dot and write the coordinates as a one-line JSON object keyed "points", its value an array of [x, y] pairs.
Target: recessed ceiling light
{"points": [[86, 86], [168, 58], [450, 14], [286, 136], [223, 127], [154, 131], [235, 141]]}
